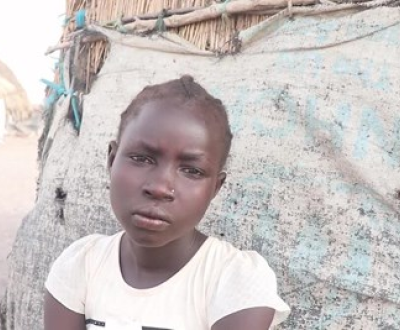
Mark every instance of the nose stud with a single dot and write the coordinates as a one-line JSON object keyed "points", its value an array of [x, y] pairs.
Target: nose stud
{"points": [[172, 191]]}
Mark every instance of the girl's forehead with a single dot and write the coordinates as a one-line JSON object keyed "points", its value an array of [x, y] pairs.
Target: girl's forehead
{"points": [[172, 123], [173, 113]]}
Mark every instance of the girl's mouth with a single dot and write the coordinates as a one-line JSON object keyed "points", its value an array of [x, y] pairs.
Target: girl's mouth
{"points": [[149, 222]]}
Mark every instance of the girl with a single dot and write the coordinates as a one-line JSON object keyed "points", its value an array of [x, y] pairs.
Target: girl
{"points": [[166, 166]]}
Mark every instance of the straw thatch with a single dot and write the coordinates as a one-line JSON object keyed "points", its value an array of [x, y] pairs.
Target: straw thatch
{"points": [[216, 34], [11, 91], [209, 25]]}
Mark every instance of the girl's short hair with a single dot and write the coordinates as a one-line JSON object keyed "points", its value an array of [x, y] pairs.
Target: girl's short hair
{"points": [[185, 90]]}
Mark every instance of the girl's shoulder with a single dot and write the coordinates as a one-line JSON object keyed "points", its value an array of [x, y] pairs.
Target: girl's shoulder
{"points": [[77, 264], [226, 254], [88, 250], [240, 280], [232, 264], [91, 244]]}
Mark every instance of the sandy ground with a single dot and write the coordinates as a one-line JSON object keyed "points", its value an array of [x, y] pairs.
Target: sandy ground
{"points": [[18, 174]]}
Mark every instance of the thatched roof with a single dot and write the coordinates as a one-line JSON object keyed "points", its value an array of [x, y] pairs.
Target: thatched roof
{"points": [[15, 97], [212, 26]]}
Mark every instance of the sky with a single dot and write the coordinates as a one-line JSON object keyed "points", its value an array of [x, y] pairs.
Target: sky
{"points": [[27, 29]]}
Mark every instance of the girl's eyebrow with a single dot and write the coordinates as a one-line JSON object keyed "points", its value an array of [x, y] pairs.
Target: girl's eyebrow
{"points": [[143, 146], [149, 147], [186, 156], [192, 156]]}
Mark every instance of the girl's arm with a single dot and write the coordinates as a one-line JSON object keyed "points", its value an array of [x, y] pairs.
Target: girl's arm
{"points": [[259, 318], [58, 317]]}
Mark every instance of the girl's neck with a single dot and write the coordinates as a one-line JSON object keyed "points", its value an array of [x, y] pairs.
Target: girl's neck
{"points": [[144, 267]]}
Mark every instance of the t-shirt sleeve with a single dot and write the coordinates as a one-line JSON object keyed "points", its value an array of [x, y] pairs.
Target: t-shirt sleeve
{"points": [[67, 280], [246, 281]]}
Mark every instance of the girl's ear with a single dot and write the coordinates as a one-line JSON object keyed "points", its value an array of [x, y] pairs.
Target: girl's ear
{"points": [[220, 181], [112, 151]]}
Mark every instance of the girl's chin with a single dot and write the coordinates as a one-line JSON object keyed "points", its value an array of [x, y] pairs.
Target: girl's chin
{"points": [[147, 239]]}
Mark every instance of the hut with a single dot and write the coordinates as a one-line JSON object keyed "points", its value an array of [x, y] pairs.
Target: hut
{"points": [[313, 92]]}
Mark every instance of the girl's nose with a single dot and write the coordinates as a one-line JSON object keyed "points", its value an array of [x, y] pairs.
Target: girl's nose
{"points": [[159, 192], [160, 187]]}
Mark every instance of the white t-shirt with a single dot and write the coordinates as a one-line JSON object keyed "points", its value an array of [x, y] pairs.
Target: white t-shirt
{"points": [[219, 280]]}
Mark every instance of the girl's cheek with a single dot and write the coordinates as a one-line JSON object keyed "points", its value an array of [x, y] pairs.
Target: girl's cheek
{"points": [[119, 180], [127, 177], [122, 170]]}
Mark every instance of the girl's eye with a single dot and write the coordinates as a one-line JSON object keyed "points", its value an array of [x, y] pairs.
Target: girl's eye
{"points": [[193, 172], [142, 159]]}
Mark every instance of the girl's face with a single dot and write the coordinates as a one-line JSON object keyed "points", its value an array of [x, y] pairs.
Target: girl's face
{"points": [[165, 172]]}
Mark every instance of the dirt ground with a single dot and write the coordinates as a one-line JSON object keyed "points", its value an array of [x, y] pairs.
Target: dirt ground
{"points": [[18, 174]]}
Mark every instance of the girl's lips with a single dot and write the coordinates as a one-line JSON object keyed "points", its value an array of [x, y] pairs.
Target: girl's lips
{"points": [[145, 222]]}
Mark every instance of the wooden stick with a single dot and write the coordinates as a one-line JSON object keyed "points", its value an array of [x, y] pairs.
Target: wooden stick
{"points": [[167, 13], [182, 11], [87, 83], [240, 7], [69, 44], [213, 11]]}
